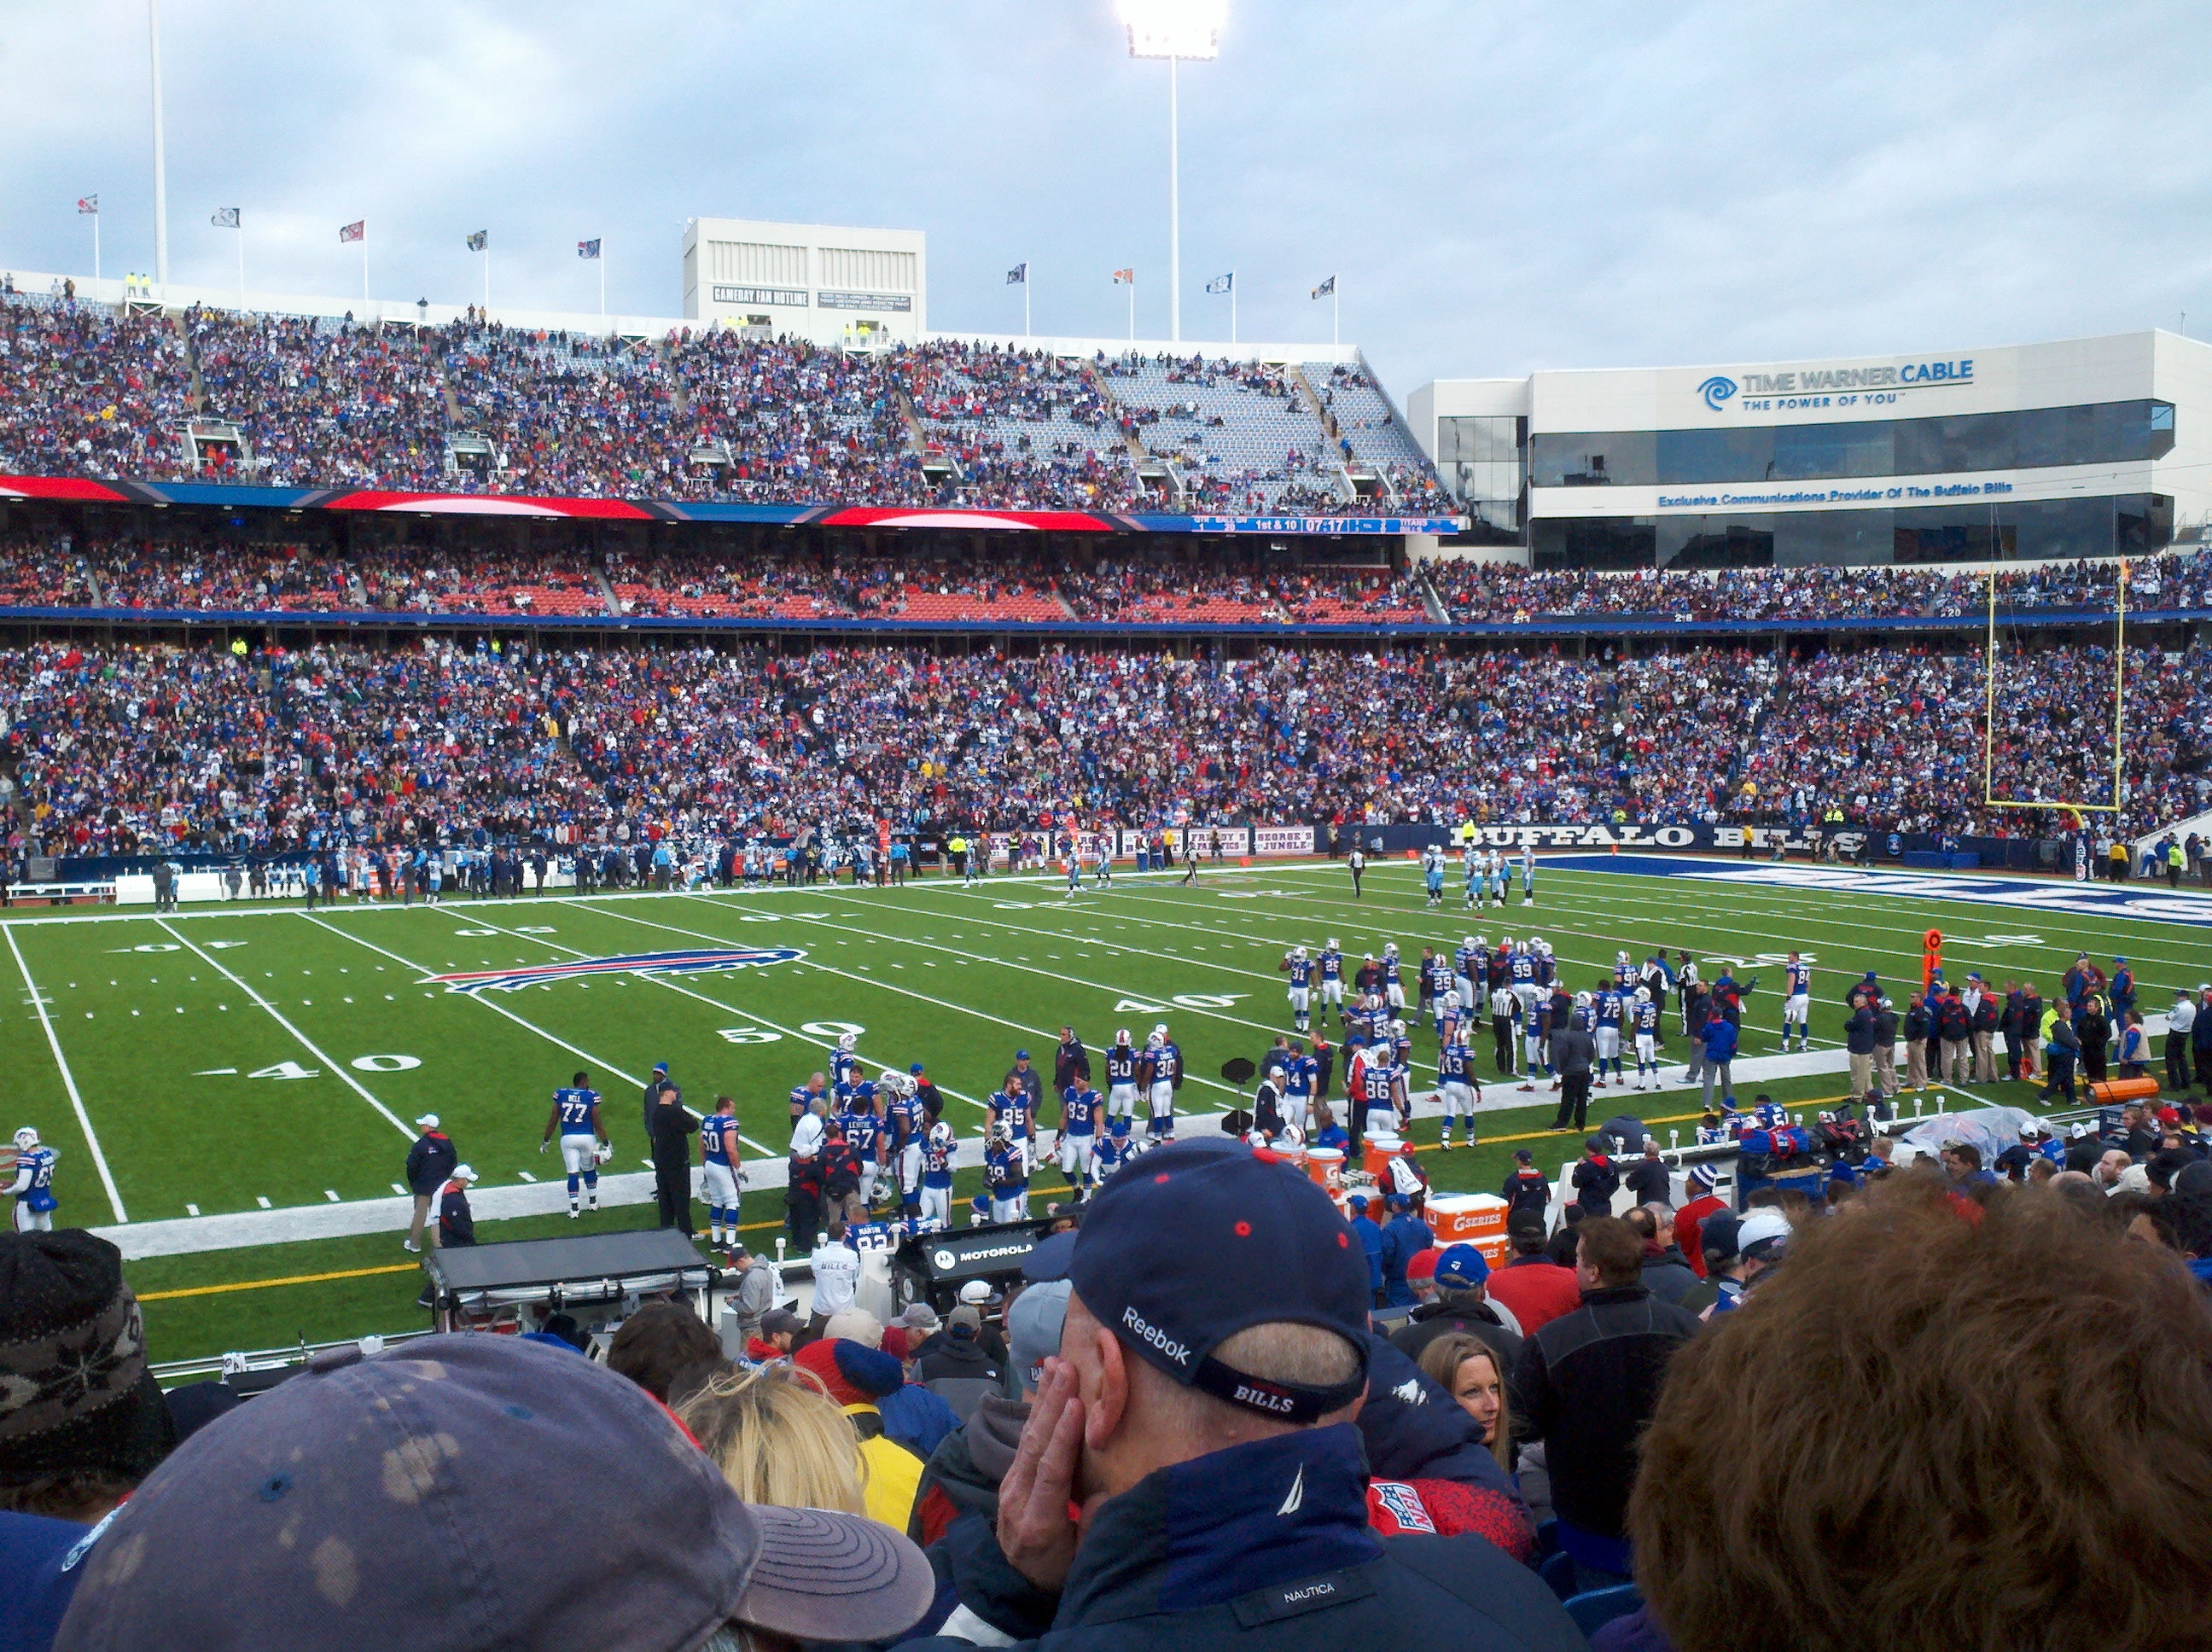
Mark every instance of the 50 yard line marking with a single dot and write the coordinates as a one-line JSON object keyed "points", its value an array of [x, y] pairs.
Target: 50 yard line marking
{"points": [[277, 1015], [69, 1080]]}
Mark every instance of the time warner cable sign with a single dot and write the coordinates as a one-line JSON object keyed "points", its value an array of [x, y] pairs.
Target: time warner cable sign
{"points": [[1806, 388]]}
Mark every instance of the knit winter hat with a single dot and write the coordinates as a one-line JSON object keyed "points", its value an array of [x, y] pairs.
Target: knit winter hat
{"points": [[75, 1393], [853, 1373]]}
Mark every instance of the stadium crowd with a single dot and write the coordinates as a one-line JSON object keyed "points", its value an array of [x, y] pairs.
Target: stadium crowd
{"points": [[1499, 593], [120, 747], [474, 406]]}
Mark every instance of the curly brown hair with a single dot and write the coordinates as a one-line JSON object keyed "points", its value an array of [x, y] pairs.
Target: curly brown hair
{"points": [[1931, 1431]]}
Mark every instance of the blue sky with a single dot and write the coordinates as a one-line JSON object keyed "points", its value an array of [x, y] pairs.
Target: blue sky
{"points": [[1498, 188]]}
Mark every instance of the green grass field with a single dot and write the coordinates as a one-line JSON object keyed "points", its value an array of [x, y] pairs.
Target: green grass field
{"points": [[255, 1058]]}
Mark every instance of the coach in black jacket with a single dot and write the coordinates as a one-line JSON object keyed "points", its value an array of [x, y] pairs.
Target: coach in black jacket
{"points": [[1589, 1381]]}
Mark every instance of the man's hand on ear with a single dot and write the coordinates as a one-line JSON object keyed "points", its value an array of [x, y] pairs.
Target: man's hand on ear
{"points": [[1037, 1530]]}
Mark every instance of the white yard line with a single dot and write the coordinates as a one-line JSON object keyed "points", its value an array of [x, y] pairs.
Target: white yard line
{"points": [[337, 1068], [69, 1081]]}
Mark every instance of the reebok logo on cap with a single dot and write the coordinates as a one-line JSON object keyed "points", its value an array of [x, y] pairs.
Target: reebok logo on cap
{"points": [[1160, 1340]]}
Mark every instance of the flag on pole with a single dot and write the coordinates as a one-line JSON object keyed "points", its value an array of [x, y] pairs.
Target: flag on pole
{"points": [[225, 218], [1326, 288], [89, 204], [1019, 276], [1222, 284], [1124, 277], [477, 240], [355, 231], [587, 249]]}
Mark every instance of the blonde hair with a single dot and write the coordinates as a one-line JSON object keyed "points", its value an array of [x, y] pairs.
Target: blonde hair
{"points": [[1441, 1359], [779, 1438]]}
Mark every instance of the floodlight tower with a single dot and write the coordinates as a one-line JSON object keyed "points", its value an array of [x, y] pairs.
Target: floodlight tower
{"points": [[1175, 29]]}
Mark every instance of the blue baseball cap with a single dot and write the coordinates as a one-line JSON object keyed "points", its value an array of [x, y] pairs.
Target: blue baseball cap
{"points": [[1199, 1240], [916, 1067], [1357, 1201], [1461, 1267], [1021, 1055], [661, 1066]]}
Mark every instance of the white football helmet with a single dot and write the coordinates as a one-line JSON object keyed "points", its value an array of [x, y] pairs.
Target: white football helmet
{"points": [[845, 1041], [1120, 1034], [1155, 1039], [1390, 949], [1451, 1000], [1582, 1000], [1332, 943], [889, 1081], [602, 1153], [1299, 953], [1479, 940], [1643, 995], [1469, 940], [1397, 1028], [940, 1134], [26, 1139], [1620, 957], [1544, 947]]}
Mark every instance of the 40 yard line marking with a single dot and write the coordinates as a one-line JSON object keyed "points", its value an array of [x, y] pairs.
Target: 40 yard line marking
{"points": [[69, 1080], [277, 1015]]}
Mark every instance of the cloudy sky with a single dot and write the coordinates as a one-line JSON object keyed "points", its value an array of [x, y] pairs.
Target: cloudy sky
{"points": [[1498, 188]]}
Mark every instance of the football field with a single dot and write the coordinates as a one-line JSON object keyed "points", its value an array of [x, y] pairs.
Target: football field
{"points": [[230, 1088]]}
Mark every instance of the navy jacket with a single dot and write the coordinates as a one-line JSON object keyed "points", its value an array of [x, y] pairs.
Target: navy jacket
{"points": [[429, 1162], [1261, 1545]]}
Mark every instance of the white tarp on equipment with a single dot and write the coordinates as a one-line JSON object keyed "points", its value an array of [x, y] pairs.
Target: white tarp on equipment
{"points": [[1992, 1129]]}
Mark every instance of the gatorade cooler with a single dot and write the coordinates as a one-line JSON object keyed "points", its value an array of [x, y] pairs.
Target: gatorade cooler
{"points": [[1466, 1219], [1291, 1152], [1381, 1147], [1325, 1167], [1496, 1249]]}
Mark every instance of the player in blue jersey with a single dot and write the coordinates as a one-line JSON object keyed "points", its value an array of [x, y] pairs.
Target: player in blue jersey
{"points": [[1606, 1034], [908, 1123], [1008, 1109], [1643, 1021], [1007, 1175], [1521, 973], [1384, 1105], [1471, 970], [1797, 1001], [1623, 973], [803, 1097], [1394, 985], [1080, 1108], [1114, 1150], [1160, 1075], [1535, 1039], [1332, 980], [576, 1115], [33, 1185], [722, 1170], [940, 1156], [1299, 967], [1457, 1087], [844, 1065], [1121, 1062], [860, 1119], [1301, 1079]]}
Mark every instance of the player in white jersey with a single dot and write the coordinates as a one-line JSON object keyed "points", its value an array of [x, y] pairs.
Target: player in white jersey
{"points": [[1101, 874], [1470, 866], [1797, 1001], [1528, 874], [1497, 877]]}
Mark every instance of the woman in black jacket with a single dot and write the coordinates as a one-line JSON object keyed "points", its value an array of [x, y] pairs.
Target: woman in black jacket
{"points": [[2095, 1029]]}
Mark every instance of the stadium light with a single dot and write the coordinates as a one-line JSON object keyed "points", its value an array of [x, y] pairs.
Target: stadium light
{"points": [[1175, 29]]}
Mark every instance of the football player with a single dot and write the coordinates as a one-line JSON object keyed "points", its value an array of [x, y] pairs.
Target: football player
{"points": [[1006, 1174], [1432, 874], [1607, 1033], [1008, 1109], [859, 1116], [1299, 967], [1644, 1018], [1079, 1108], [1470, 866], [1122, 1076], [1332, 980], [908, 1125], [1797, 998], [1470, 968], [33, 1185], [1457, 1087], [844, 1065], [721, 1172], [1162, 1076], [576, 1115], [1528, 874], [1393, 987], [940, 1151]]}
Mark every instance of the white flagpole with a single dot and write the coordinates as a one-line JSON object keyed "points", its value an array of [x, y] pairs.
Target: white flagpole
{"points": [[602, 262], [239, 230], [95, 246], [1335, 334], [1132, 308], [364, 266], [1232, 306], [487, 274], [160, 158], [1026, 303]]}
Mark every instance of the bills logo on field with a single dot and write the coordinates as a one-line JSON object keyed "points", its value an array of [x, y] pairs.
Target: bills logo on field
{"points": [[697, 961]]}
